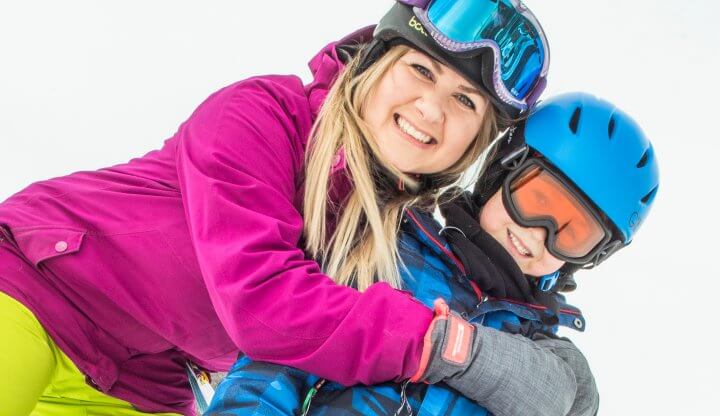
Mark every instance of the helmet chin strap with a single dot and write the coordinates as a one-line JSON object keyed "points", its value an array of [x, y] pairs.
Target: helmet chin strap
{"points": [[547, 283]]}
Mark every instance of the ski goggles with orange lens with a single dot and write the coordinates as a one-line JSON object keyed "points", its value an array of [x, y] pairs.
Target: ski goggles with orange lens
{"points": [[537, 196]]}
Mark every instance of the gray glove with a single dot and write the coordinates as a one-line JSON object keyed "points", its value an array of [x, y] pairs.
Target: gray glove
{"points": [[507, 374], [587, 400]]}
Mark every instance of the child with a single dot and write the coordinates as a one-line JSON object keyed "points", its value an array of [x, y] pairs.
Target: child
{"points": [[544, 211]]}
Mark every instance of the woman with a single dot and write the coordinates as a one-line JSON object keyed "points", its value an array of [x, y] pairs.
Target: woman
{"points": [[196, 251]]}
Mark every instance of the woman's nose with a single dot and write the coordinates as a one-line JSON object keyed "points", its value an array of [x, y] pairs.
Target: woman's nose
{"points": [[430, 108]]}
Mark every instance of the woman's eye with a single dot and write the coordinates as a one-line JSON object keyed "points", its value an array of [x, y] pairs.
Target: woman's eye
{"points": [[423, 71], [467, 102]]}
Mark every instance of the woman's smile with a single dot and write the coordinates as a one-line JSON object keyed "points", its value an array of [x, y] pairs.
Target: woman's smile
{"points": [[414, 134]]}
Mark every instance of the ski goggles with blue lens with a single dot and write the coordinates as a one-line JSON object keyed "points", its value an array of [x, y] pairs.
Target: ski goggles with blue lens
{"points": [[507, 27]]}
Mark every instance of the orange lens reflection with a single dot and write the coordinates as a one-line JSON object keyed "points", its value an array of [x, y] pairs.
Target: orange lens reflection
{"points": [[536, 193]]}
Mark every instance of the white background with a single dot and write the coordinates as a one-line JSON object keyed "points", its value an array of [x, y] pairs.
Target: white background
{"points": [[87, 84]]}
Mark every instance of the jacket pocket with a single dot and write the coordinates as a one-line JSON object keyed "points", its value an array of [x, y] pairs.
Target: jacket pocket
{"points": [[42, 243]]}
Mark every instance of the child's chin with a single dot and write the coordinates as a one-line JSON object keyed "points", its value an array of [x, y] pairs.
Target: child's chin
{"points": [[525, 270]]}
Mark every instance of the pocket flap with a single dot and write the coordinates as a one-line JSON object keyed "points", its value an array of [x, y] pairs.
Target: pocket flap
{"points": [[43, 243]]}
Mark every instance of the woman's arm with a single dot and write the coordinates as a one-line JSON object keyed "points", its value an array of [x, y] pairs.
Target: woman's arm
{"points": [[507, 373], [239, 161]]}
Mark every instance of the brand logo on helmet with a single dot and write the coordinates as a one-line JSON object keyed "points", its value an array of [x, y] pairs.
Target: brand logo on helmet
{"points": [[634, 220], [413, 23]]}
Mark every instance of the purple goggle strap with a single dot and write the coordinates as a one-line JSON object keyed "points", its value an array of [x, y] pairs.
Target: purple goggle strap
{"points": [[415, 3]]}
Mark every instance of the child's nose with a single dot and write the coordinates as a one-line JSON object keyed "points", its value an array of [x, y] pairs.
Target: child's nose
{"points": [[539, 234]]}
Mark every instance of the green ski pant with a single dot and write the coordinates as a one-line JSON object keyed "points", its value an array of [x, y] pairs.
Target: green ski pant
{"points": [[38, 379]]}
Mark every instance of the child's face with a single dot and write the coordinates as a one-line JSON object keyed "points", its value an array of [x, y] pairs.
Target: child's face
{"points": [[423, 114], [525, 245]]}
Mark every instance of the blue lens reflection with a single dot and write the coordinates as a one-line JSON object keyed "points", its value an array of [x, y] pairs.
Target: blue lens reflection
{"points": [[521, 50]]}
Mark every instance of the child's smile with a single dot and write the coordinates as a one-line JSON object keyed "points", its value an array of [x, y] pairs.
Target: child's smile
{"points": [[518, 245], [525, 245]]}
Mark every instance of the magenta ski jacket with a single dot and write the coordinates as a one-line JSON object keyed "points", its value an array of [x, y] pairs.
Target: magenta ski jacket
{"points": [[191, 253]]}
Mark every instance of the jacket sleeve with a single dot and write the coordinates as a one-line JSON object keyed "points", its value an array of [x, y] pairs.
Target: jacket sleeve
{"points": [[239, 160]]}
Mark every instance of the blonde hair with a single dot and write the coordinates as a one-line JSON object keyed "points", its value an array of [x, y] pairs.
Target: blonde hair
{"points": [[362, 248]]}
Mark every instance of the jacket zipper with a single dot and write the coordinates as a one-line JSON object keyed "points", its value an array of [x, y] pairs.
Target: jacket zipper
{"points": [[447, 252], [404, 402]]}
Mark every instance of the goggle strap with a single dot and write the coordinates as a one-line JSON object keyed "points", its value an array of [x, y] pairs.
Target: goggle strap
{"points": [[605, 253], [516, 158], [536, 92], [416, 3]]}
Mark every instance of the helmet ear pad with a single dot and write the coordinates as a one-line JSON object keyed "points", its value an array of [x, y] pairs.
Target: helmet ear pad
{"points": [[374, 51]]}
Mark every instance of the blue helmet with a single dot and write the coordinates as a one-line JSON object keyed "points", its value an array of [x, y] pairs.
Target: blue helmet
{"points": [[603, 151], [597, 147]]}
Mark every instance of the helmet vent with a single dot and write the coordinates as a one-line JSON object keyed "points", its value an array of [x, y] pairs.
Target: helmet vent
{"points": [[650, 196], [644, 159], [611, 127], [575, 119]]}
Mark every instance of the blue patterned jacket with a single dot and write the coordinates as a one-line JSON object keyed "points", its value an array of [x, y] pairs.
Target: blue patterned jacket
{"points": [[431, 271]]}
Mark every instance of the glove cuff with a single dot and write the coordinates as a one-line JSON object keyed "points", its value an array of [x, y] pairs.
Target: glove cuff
{"points": [[450, 333]]}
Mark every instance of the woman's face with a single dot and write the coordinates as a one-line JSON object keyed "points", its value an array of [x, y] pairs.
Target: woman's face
{"points": [[525, 245], [423, 114]]}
